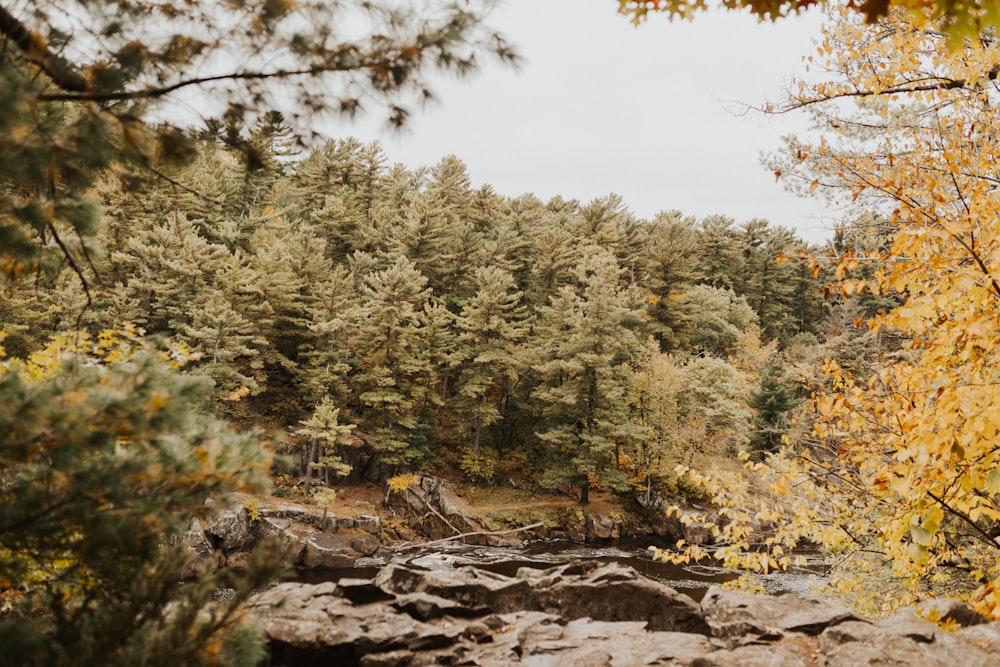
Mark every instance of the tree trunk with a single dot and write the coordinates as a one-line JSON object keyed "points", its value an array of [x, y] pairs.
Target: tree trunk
{"points": [[585, 491], [313, 457]]}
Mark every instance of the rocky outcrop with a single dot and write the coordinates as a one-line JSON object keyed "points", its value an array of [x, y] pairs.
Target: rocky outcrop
{"points": [[312, 538], [587, 614]]}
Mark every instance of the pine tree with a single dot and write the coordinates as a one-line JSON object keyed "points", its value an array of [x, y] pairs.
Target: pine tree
{"points": [[323, 432], [494, 323], [390, 382], [589, 339], [771, 403], [671, 269], [107, 458]]}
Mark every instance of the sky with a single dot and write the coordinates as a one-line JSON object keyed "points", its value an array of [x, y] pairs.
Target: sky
{"points": [[600, 106]]}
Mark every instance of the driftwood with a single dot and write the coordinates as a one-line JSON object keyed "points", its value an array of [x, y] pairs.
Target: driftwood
{"points": [[410, 545]]}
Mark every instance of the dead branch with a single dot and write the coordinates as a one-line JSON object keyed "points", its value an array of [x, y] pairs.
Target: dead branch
{"points": [[410, 545]]}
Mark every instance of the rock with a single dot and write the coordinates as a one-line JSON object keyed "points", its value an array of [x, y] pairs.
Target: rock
{"points": [[734, 615], [238, 560], [323, 550], [365, 544], [696, 531], [300, 514], [600, 527], [986, 637], [902, 640], [612, 592], [577, 532], [395, 619], [203, 556], [950, 609], [229, 528], [469, 586], [304, 623], [789, 652], [366, 523]]}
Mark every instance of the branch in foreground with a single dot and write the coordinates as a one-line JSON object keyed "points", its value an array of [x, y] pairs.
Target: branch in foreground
{"points": [[34, 49]]}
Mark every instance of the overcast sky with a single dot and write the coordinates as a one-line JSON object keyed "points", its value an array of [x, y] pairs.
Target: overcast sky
{"points": [[600, 106]]}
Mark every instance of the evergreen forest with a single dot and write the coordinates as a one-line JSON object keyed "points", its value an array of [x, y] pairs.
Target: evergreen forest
{"points": [[447, 327]]}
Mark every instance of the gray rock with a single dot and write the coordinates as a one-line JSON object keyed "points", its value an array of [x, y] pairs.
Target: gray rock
{"points": [[203, 555], [369, 524], [734, 615], [325, 550], [229, 528], [414, 617], [469, 586], [612, 592], [600, 527], [904, 639], [985, 637]]}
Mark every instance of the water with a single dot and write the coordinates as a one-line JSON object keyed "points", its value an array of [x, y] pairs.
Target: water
{"points": [[693, 579]]}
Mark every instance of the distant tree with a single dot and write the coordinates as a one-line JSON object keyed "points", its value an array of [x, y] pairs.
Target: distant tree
{"points": [[771, 404], [493, 325], [672, 266], [588, 340], [718, 319], [390, 382], [322, 432]]}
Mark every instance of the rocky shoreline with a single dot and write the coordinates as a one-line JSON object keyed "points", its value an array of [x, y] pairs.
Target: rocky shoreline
{"points": [[317, 539], [579, 614], [591, 613]]}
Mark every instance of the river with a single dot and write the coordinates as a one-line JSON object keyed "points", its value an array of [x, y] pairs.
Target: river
{"points": [[692, 579]]}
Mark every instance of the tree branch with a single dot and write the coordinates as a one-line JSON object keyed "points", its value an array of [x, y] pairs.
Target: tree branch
{"points": [[937, 83], [32, 45]]}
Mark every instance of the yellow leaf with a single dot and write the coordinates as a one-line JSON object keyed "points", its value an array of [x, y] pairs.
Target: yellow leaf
{"points": [[993, 481], [918, 554]]}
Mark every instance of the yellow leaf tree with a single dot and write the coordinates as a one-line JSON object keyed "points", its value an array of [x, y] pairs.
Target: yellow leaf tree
{"points": [[907, 130]]}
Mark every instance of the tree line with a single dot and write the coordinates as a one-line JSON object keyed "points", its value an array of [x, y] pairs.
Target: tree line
{"points": [[435, 316]]}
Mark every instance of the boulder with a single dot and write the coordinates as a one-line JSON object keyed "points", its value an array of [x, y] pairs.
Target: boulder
{"points": [[468, 586], [328, 551], [229, 529], [203, 555], [902, 640], [600, 527], [611, 592], [738, 616]]}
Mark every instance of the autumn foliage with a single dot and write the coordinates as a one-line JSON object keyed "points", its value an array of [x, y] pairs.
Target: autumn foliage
{"points": [[900, 474], [957, 19]]}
